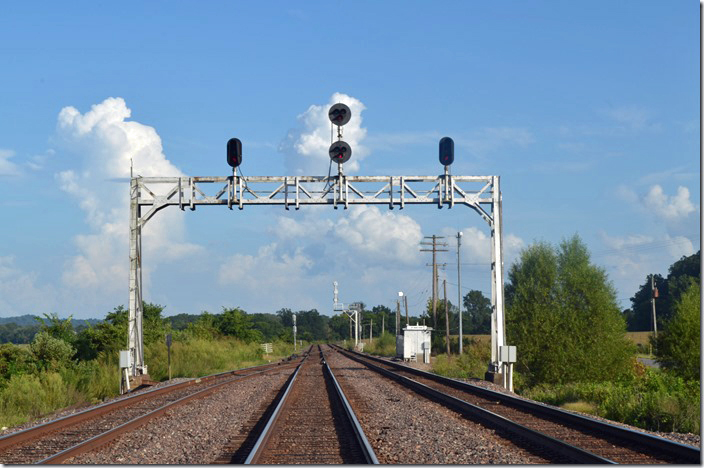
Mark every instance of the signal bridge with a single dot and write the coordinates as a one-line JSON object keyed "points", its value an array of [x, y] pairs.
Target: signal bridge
{"points": [[148, 195], [152, 194]]}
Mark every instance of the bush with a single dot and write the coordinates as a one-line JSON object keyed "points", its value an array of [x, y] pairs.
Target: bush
{"points": [[15, 360], [49, 352], [655, 401], [678, 347]]}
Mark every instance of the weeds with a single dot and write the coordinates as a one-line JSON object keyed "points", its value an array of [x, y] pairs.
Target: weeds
{"points": [[655, 400]]}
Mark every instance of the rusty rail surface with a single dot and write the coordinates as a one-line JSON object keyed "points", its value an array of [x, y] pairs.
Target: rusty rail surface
{"points": [[60, 439], [606, 442]]}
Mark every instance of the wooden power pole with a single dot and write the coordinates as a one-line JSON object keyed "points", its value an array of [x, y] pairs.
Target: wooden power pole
{"points": [[434, 250], [447, 318]]}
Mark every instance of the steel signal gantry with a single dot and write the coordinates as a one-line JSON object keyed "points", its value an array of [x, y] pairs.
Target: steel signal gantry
{"points": [[148, 195]]}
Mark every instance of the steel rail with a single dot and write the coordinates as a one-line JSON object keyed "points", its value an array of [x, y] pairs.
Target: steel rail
{"points": [[266, 432], [362, 440], [107, 436], [14, 438], [687, 453], [493, 420]]}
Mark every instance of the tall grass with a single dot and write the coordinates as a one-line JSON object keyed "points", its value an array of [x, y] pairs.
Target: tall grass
{"points": [[385, 345], [199, 357], [654, 400], [25, 397], [471, 364]]}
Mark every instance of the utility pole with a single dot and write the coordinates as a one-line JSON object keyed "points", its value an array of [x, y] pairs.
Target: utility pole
{"points": [[294, 332], [398, 315], [459, 288], [434, 250], [371, 324], [382, 324], [405, 301], [653, 295], [447, 319]]}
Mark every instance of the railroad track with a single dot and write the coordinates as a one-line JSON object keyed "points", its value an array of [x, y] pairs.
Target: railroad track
{"points": [[565, 437], [61, 439], [312, 423]]}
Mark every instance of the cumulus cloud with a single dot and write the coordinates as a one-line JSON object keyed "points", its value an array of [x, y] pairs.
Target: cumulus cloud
{"points": [[379, 237], [475, 246], [307, 250], [670, 208], [102, 144], [306, 148], [7, 167]]}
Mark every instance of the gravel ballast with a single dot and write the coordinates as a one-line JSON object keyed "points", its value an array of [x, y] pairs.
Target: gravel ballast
{"points": [[194, 433], [406, 428]]}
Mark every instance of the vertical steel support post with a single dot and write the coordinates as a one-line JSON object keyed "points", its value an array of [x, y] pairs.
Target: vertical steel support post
{"points": [[459, 290], [135, 336], [497, 283]]}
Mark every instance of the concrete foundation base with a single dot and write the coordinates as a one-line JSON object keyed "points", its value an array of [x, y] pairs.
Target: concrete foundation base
{"points": [[494, 377], [137, 381]]}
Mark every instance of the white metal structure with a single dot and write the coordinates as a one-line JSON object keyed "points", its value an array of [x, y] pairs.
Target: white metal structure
{"points": [[151, 194]]}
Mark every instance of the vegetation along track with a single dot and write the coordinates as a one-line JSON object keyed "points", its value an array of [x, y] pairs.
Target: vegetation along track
{"points": [[313, 423], [607, 442], [60, 439]]}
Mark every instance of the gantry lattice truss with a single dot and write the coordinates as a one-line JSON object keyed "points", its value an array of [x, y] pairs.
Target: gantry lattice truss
{"points": [[149, 195]]}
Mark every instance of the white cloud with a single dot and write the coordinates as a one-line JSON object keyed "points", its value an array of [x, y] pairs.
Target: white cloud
{"points": [[7, 167], [308, 251], [619, 243], [306, 149], [379, 237], [629, 259], [671, 208], [281, 278], [475, 246], [38, 161], [632, 117], [102, 143], [18, 289]]}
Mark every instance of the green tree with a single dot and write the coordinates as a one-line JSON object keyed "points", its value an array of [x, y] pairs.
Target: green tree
{"points": [[339, 326], [60, 329], [681, 275], [476, 316], [679, 344], [562, 314], [236, 323], [312, 326], [107, 337], [204, 327], [154, 326], [269, 325]]}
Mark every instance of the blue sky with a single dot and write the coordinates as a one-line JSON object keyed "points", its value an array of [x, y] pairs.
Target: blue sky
{"points": [[588, 111]]}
